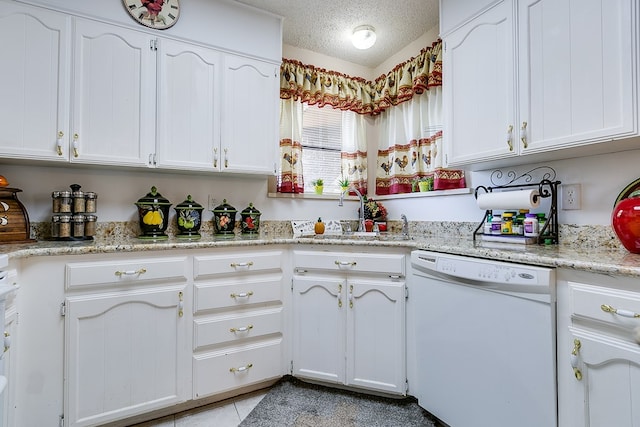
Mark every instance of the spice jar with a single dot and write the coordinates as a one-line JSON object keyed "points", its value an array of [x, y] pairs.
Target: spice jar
{"points": [[78, 198], [65, 226], [78, 225], [65, 202], [55, 226], [90, 202], [90, 225], [55, 196]]}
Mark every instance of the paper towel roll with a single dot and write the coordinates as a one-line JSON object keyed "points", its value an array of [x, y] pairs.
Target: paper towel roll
{"points": [[522, 199]]}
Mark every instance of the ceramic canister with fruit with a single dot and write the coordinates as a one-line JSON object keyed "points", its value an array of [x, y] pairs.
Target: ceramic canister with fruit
{"points": [[224, 220], [189, 218], [153, 211], [250, 221]]}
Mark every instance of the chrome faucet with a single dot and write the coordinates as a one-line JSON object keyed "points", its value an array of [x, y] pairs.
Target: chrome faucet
{"points": [[340, 203], [405, 226]]}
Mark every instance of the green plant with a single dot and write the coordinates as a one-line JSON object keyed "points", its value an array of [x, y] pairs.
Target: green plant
{"points": [[344, 182], [318, 182]]}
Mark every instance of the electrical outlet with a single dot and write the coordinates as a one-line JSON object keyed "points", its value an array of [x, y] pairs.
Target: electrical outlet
{"points": [[571, 196]]}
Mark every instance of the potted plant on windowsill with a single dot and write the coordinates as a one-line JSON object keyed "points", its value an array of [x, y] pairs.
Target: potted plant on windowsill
{"points": [[318, 185], [344, 183], [425, 183]]}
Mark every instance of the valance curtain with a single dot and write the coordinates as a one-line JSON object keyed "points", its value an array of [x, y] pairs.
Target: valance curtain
{"points": [[312, 85]]}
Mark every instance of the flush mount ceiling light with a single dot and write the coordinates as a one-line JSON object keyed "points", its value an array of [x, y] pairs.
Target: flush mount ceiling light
{"points": [[363, 37]]}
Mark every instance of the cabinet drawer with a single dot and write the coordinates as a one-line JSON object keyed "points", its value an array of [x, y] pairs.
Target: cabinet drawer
{"points": [[230, 369], [236, 263], [236, 327], [604, 304], [237, 294], [82, 274], [388, 264]]}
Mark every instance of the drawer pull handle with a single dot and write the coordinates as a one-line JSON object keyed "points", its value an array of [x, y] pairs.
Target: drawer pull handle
{"points": [[523, 135], [350, 296], [241, 264], [242, 295], [241, 329], [339, 295], [7, 341], [241, 368], [345, 263], [59, 143], [509, 136], [574, 359], [131, 272], [180, 304], [75, 145], [624, 313]]}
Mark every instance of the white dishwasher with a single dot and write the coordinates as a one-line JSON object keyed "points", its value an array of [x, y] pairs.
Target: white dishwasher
{"points": [[485, 341]]}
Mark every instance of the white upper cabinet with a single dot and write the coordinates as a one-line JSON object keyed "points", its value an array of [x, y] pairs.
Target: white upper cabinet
{"points": [[114, 92], [535, 76], [576, 72], [249, 116], [188, 107], [34, 88], [478, 87]]}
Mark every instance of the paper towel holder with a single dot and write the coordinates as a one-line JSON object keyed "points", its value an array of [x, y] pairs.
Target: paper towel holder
{"points": [[547, 188]]}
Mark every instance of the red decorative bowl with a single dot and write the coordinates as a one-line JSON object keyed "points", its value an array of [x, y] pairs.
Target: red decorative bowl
{"points": [[625, 220]]}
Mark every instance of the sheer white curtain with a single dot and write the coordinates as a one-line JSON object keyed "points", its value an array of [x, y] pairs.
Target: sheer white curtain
{"points": [[410, 143], [290, 178], [354, 150]]}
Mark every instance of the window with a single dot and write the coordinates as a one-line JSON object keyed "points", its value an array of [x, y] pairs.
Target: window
{"points": [[322, 141]]}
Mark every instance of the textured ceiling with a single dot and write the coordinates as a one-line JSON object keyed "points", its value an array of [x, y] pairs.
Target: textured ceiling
{"points": [[325, 26]]}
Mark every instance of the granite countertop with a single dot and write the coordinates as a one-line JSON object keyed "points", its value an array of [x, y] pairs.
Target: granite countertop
{"points": [[596, 260]]}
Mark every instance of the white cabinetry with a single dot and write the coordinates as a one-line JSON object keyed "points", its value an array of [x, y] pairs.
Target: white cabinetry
{"points": [[238, 320], [598, 357], [554, 77], [113, 95], [250, 116], [35, 64], [126, 338], [349, 319]]}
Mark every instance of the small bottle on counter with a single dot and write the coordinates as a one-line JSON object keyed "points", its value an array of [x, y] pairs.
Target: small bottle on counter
{"points": [[542, 222], [90, 225], [78, 225], [65, 226], [487, 225], [496, 224], [507, 223], [531, 225]]}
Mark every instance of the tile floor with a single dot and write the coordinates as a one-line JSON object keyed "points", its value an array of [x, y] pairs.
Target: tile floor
{"points": [[224, 414]]}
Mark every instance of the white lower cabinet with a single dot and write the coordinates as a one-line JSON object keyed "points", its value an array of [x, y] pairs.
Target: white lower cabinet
{"points": [[349, 319], [126, 338], [598, 356], [238, 320]]}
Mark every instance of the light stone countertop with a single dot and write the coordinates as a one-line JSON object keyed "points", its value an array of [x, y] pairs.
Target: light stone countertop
{"points": [[603, 260]]}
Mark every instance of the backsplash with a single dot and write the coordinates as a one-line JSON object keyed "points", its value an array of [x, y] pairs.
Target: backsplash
{"points": [[584, 236]]}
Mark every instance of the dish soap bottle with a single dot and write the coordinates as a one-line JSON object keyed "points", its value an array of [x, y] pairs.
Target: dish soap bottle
{"points": [[319, 226]]}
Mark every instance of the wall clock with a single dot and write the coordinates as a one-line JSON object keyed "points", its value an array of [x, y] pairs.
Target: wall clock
{"points": [[158, 14]]}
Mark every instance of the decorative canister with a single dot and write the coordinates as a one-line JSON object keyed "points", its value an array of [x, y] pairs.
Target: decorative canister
{"points": [[224, 219], [189, 218], [625, 220], [153, 210], [250, 220]]}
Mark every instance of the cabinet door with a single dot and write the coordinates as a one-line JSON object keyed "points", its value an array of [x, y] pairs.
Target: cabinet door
{"points": [[188, 106], [34, 88], [610, 380], [576, 71], [376, 335], [478, 85], [114, 95], [126, 354], [249, 116], [319, 314]]}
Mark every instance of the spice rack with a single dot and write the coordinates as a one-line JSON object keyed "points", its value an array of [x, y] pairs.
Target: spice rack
{"points": [[73, 214], [547, 188]]}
